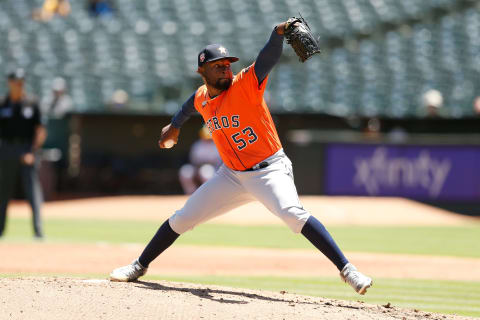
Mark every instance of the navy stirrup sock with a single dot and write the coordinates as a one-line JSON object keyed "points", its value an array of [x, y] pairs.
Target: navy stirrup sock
{"points": [[316, 233], [163, 239]]}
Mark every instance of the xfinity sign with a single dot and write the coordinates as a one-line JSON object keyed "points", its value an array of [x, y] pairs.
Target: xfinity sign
{"points": [[418, 172]]}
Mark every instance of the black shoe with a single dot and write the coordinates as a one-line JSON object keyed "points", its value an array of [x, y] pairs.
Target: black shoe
{"points": [[39, 237]]}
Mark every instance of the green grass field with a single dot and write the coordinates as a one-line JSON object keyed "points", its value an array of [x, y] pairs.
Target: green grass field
{"points": [[455, 297], [461, 241]]}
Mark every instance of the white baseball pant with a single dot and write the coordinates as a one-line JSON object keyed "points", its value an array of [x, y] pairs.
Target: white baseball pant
{"points": [[273, 186]]}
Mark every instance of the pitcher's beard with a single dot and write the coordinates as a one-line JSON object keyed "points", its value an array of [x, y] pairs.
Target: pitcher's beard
{"points": [[221, 84]]}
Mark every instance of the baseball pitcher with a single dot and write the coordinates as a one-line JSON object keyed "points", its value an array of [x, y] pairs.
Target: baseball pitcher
{"points": [[255, 166]]}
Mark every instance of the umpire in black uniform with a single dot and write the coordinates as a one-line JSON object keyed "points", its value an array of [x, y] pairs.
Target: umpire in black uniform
{"points": [[22, 133]]}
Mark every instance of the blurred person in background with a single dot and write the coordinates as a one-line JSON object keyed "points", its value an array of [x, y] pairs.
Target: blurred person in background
{"points": [[372, 129], [50, 8], [99, 8], [204, 161], [119, 100], [55, 107], [476, 106], [22, 134], [432, 102], [58, 102], [398, 134]]}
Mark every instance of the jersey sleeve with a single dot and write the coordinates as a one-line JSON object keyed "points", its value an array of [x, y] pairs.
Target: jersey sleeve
{"points": [[184, 113], [248, 80], [269, 56]]}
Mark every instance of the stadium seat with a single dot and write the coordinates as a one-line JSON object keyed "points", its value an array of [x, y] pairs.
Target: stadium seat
{"points": [[379, 55]]}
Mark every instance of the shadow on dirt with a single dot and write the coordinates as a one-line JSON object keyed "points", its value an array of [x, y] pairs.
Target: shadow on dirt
{"points": [[208, 293]]}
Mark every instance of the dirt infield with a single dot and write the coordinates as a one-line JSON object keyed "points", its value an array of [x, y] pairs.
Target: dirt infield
{"points": [[102, 258], [61, 298], [330, 210]]}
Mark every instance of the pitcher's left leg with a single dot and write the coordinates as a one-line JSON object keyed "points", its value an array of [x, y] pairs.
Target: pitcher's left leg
{"points": [[275, 188]]}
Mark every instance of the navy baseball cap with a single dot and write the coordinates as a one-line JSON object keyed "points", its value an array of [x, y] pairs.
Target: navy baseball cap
{"points": [[214, 52], [18, 74]]}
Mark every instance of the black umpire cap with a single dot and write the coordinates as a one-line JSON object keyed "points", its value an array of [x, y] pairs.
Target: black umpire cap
{"points": [[214, 52], [18, 74]]}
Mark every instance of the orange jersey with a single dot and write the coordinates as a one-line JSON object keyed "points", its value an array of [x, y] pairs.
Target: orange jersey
{"points": [[239, 121]]}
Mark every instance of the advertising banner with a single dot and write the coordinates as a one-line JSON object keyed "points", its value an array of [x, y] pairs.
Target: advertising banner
{"points": [[417, 172]]}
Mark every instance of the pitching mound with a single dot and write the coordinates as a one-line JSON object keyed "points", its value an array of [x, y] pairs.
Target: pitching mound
{"points": [[60, 298]]}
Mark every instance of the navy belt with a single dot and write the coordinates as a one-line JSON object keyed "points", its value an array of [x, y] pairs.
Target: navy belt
{"points": [[260, 165]]}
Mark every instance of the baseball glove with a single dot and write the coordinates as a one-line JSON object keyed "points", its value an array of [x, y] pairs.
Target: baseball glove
{"points": [[301, 38]]}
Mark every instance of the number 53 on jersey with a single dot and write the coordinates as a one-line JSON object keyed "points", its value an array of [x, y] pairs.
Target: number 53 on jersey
{"points": [[245, 137]]}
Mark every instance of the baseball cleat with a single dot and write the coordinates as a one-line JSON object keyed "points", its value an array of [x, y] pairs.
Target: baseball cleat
{"points": [[129, 272], [355, 278]]}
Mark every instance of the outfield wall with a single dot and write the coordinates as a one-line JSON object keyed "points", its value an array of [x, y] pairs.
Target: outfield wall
{"points": [[438, 169], [432, 160]]}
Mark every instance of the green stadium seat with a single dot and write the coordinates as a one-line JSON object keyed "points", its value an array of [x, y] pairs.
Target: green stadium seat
{"points": [[370, 66]]}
